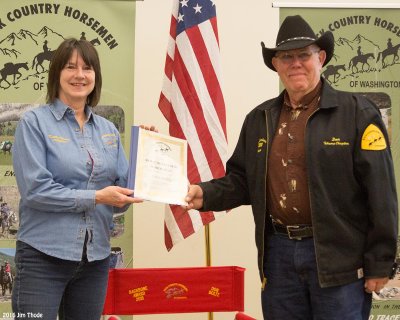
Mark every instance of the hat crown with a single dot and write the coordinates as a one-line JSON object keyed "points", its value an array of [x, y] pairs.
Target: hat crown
{"points": [[294, 28], [296, 33]]}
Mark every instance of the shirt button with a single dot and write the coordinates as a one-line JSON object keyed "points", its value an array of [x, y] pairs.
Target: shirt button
{"points": [[290, 161]]}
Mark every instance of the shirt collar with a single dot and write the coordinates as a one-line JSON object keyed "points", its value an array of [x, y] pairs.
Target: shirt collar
{"points": [[306, 100], [58, 109]]}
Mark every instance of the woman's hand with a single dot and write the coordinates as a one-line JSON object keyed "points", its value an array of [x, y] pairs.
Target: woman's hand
{"points": [[150, 128], [116, 196]]}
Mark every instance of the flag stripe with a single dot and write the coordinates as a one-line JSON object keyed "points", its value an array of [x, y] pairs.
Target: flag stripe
{"points": [[209, 90], [210, 36], [176, 131], [215, 28], [195, 107], [182, 218], [172, 29], [167, 235], [184, 117]]}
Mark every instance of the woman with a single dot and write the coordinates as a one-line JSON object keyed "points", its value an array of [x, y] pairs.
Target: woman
{"points": [[71, 173]]}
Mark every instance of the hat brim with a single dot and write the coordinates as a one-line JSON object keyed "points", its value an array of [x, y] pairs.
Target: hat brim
{"points": [[326, 42]]}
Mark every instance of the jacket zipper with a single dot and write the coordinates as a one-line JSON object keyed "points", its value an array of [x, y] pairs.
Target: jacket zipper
{"points": [[309, 191], [264, 281]]}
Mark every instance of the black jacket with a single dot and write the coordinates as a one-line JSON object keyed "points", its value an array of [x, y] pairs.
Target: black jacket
{"points": [[352, 186]]}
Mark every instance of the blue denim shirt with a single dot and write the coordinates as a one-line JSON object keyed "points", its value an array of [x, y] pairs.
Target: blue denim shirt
{"points": [[58, 168]]}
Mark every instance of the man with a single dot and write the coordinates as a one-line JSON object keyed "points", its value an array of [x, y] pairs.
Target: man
{"points": [[45, 47], [315, 165], [359, 53], [389, 44], [4, 212], [7, 269]]}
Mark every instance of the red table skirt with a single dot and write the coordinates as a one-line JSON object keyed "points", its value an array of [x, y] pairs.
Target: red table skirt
{"points": [[175, 290]]}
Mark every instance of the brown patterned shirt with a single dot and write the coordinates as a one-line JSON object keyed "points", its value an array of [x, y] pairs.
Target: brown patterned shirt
{"points": [[288, 199]]}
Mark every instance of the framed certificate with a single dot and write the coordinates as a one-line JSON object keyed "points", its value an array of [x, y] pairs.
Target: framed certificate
{"points": [[158, 167]]}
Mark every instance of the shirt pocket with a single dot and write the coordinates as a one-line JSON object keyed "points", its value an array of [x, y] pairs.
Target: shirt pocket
{"points": [[110, 151]]}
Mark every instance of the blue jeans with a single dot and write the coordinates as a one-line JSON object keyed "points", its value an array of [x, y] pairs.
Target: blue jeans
{"points": [[293, 292], [45, 285]]}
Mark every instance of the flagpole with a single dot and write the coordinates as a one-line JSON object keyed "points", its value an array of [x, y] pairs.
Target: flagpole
{"points": [[208, 255], [208, 245]]}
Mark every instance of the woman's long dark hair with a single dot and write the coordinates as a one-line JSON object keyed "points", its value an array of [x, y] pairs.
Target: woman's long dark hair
{"points": [[61, 57]]}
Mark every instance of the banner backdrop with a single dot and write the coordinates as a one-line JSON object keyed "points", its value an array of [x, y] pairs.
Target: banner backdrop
{"points": [[30, 31], [366, 60]]}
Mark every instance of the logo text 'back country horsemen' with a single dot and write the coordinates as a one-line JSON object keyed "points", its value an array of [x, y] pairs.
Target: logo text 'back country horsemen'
{"points": [[358, 50], [17, 63]]}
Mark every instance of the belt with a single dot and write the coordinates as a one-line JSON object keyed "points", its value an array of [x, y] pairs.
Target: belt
{"points": [[296, 232]]}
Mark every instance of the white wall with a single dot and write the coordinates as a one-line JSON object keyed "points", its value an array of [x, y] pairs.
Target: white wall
{"points": [[242, 26]]}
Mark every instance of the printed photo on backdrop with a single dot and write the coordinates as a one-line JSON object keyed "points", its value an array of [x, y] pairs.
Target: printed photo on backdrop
{"points": [[158, 167]]}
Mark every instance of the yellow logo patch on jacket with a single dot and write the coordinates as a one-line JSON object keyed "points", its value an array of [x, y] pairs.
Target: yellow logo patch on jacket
{"points": [[260, 144], [373, 139]]}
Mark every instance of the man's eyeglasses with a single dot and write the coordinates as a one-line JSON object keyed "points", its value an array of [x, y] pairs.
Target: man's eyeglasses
{"points": [[289, 58]]}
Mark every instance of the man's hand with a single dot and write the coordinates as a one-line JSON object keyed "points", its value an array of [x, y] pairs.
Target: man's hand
{"points": [[376, 284], [194, 198]]}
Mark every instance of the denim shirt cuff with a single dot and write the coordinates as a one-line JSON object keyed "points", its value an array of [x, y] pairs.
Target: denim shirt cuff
{"points": [[86, 200]]}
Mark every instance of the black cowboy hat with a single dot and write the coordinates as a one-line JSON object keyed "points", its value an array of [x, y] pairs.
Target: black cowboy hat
{"points": [[296, 33]]}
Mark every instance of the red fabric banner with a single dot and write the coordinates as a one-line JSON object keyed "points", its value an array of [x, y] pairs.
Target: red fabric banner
{"points": [[175, 290]]}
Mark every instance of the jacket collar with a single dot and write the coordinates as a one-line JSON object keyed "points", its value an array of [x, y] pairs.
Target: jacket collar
{"points": [[329, 98]]}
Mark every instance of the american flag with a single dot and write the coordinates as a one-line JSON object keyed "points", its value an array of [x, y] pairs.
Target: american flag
{"points": [[191, 100]]}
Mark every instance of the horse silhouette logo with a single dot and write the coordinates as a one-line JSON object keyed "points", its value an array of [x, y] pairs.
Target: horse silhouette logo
{"points": [[12, 69], [15, 72], [389, 51]]}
